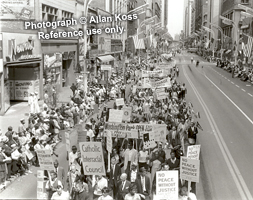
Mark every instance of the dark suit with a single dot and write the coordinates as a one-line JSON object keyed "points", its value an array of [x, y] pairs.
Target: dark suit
{"points": [[114, 178], [122, 191], [147, 186], [61, 175], [192, 133]]}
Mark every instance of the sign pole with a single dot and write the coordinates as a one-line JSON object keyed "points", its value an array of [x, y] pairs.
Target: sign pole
{"points": [[189, 187], [109, 162]]}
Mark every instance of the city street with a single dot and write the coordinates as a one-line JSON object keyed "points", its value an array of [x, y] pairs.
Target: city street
{"points": [[226, 108]]}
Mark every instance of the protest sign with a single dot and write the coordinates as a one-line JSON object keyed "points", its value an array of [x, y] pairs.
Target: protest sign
{"points": [[189, 169], [160, 132], [115, 115], [109, 142], [162, 83], [167, 185], [29, 154], [120, 102], [193, 152], [81, 136], [106, 67], [67, 141], [148, 140], [162, 95], [41, 193], [146, 74], [127, 111], [45, 159], [92, 158]]}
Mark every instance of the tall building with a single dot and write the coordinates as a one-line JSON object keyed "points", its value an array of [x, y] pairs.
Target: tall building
{"points": [[198, 14], [193, 10], [187, 17], [164, 13]]}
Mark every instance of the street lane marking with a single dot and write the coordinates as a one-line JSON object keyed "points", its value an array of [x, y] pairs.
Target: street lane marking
{"points": [[250, 94], [238, 179], [243, 90], [237, 86], [232, 82], [248, 85]]}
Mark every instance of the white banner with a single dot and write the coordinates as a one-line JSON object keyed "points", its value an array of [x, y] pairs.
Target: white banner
{"points": [[193, 152], [167, 185], [45, 159], [189, 169], [160, 132], [106, 67], [92, 158], [146, 74], [115, 115], [148, 83]]}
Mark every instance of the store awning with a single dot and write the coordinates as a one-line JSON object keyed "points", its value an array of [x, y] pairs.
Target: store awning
{"points": [[105, 59], [138, 43]]}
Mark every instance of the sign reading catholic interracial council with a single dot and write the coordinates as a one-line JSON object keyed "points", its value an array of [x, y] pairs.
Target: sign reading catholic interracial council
{"points": [[92, 158]]}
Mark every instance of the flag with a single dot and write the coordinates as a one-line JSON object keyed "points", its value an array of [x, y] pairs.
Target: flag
{"points": [[199, 126], [247, 42]]}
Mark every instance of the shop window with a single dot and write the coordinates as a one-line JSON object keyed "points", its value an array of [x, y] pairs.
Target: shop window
{"points": [[67, 15]]}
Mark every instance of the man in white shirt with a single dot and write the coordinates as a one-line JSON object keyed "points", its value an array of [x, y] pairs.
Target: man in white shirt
{"points": [[100, 183], [130, 156], [73, 155], [60, 194]]}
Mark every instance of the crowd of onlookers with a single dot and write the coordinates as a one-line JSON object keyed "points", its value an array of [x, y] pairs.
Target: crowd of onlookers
{"points": [[238, 71]]}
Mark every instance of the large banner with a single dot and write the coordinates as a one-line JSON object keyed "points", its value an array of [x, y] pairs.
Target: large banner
{"points": [[148, 83], [158, 131], [120, 102], [92, 158], [45, 159], [146, 74], [17, 9], [189, 169], [167, 185]]}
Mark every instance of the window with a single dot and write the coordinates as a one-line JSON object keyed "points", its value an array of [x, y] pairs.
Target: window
{"points": [[245, 1], [66, 15], [49, 14]]}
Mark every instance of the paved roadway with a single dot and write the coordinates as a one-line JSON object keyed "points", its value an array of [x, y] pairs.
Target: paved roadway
{"points": [[226, 107]]}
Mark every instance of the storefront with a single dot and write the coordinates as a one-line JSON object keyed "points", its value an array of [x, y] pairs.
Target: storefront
{"points": [[21, 70], [59, 63]]}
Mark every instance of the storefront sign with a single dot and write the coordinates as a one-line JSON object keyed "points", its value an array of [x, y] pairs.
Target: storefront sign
{"points": [[17, 9], [45, 159], [167, 185], [92, 158], [193, 152], [189, 169], [106, 67]]}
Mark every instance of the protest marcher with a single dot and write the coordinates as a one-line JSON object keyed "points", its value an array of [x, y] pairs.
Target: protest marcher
{"points": [[105, 194], [99, 183], [60, 172], [132, 194], [31, 103], [123, 187], [173, 162], [192, 133], [52, 184], [185, 195], [72, 155], [71, 178], [114, 175], [132, 174], [80, 193], [73, 88], [36, 103], [144, 184], [60, 194], [130, 155]]}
